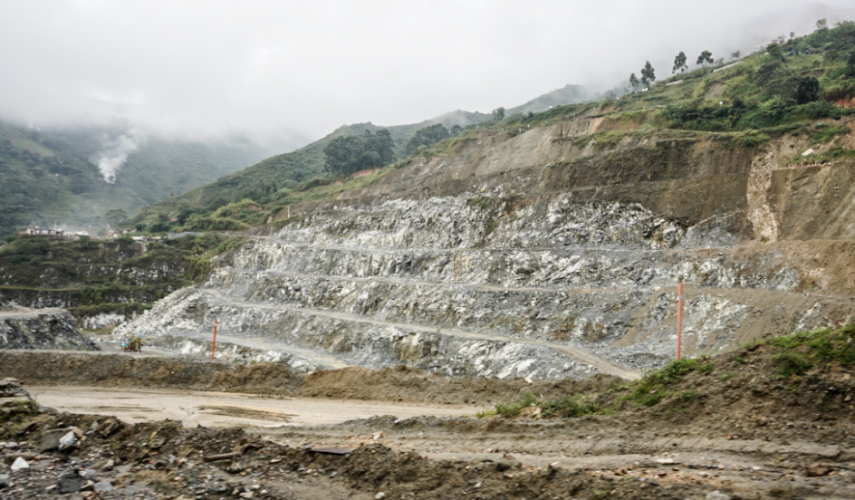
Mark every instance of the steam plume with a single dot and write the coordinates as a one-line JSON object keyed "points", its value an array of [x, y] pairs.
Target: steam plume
{"points": [[114, 153]]}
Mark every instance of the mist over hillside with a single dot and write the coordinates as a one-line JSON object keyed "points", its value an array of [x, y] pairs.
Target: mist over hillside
{"points": [[70, 178]]}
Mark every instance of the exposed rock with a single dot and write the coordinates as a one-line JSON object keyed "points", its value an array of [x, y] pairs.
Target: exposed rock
{"points": [[818, 470], [71, 483], [51, 439], [566, 268], [41, 329]]}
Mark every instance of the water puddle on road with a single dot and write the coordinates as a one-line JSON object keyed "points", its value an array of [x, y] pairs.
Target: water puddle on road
{"points": [[216, 409]]}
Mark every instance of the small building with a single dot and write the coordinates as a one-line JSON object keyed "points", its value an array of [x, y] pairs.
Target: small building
{"points": [[39, 232]]}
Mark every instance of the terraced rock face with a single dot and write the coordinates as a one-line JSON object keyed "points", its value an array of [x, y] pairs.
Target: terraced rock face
{"points": [[498, 276], [23, 328]]}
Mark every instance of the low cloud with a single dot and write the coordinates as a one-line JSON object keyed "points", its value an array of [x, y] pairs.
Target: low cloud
{"points": [[273, 68]]}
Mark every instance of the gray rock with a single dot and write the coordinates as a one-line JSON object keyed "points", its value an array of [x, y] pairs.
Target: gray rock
{"points": [[71, 483], [105, 465], [103, 486], [67, 441], [42, 329], [50, 438]]}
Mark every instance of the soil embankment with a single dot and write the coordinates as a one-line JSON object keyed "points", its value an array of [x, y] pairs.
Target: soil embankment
{"points": [[399, 384]]}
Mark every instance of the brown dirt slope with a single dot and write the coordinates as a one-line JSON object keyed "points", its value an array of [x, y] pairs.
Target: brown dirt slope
{"points": [[388, 384]]}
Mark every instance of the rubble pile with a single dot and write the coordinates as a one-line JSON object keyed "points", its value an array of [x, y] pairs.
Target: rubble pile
{"points": [[24, 328]]}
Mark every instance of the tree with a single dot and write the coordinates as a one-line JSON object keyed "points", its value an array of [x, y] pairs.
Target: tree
{"points": [[116, 217], [381, 143], [705, 58], [342, 155], [821, 25], [352, 153], [633, 82], [648, 74], [807, 90], [850, 65], [774, 50], [427, 136], [499, 114], [736, 54], [680, 63], [456, 130]]}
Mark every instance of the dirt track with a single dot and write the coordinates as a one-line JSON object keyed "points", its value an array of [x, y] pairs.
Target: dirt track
{"points": [[740, 430], [602, 365], [215, 409]]}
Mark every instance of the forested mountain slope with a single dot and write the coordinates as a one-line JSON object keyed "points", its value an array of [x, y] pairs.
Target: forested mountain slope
{"points": [[52, 176]]}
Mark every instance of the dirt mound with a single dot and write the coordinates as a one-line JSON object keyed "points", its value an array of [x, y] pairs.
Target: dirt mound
{"points": [[797, 387], [48, 368], [208, 463]]}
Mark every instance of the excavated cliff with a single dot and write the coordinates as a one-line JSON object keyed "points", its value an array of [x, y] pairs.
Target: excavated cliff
{"points": [[24, 328], [546, 253]]}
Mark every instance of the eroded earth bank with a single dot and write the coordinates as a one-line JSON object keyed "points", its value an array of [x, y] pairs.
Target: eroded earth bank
{"points": [[726, 427]]}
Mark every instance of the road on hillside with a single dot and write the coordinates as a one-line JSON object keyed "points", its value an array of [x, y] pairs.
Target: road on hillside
{"points": [[602, 365]]}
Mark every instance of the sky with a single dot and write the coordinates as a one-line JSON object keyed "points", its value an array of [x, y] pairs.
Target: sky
{"points": [[207, 69]]}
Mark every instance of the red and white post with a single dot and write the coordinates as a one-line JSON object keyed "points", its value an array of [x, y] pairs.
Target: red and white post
{"points": [[679, 318], [214, 344]]}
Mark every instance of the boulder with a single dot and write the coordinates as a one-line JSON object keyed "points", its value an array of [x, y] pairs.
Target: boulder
{"points": [[51, 438]]}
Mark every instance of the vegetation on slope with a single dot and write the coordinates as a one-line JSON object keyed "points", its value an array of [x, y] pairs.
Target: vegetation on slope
{"points": [[806, 372], [46, 177], [90, 277], [788, 89]]}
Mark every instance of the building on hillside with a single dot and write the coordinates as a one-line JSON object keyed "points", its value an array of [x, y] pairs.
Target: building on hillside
{"points": [[55, 234]]}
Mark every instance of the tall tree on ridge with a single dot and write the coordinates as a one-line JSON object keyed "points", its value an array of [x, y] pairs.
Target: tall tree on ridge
{"points": [[680, 63]]}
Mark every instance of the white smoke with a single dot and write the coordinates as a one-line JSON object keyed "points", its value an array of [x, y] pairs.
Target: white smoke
{"points": [[114, 153]]}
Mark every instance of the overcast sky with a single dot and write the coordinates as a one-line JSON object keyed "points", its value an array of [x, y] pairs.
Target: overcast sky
{"points": [[207, 67]]}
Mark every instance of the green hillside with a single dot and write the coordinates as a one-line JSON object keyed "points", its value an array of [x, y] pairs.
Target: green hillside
{"points": [[47, 177], [798, 86], [195, 210]]}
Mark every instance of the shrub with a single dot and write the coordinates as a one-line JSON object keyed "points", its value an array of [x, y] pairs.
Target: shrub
{"points": [[513, 409], [570, 408], [792, 363], [828, 133]]}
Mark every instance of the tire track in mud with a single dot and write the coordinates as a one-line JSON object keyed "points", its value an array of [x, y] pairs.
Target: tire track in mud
{"points": [[576, 353]]}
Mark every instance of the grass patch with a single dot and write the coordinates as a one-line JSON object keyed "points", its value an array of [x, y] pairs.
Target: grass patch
{"points": [[707, 368], [792, 363], [687, 396], [804, 350], [571, 407], [513, 409], [828, 133]]}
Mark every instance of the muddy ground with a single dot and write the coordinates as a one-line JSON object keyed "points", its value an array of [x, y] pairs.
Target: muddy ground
{"points": [[726, 427]]}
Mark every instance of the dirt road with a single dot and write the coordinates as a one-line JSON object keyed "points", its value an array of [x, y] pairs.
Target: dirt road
{"points": [[217, 409], [602, 365]]}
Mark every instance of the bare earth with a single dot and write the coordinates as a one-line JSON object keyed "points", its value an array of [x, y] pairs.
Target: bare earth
{"points": [[217, 409]]}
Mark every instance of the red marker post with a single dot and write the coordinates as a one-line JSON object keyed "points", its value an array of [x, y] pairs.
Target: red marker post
{"points": [[214, 344], [679, 318]]}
